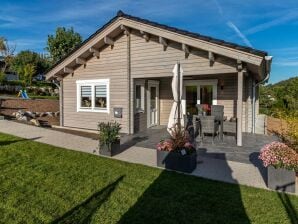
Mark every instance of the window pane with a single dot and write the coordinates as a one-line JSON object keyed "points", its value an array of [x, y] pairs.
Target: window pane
{"points": [[153, 97], [101, 96], [206, 95], [85, 96], [191, 100], [138, 97]]}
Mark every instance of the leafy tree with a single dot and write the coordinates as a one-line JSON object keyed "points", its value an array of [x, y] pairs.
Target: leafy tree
{"points": [[23, 58], [2, 77], [6, 52], [282, 96], [62, 42], [26, 73]]}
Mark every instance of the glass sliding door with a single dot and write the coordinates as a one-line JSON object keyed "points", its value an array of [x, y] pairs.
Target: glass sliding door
{"points": [[206, 96], [199, 92], [191, 97]]}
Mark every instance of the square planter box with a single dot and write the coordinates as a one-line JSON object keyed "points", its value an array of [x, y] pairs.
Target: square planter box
{"points": [[110, 150], [281, 179], [176, 161]]}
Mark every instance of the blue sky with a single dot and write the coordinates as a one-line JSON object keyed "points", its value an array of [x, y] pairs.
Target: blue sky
{"points": [[270, 25]]}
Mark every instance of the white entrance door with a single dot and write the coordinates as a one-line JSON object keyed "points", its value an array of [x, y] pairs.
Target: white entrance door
{"points": [[153, 103]]}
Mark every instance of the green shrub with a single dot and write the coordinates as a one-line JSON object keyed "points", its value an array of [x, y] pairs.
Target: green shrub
{"points": [[108, 132], [2, 77]]}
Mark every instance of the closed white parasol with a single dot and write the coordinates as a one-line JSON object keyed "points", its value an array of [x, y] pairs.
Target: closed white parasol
{"points": [[176, 114]]}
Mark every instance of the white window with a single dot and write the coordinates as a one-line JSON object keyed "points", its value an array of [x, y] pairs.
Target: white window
{"points": [[93, 95], [140, 96]]}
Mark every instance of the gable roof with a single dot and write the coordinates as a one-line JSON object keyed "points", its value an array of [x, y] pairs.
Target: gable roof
{"points": [[197, 36]]}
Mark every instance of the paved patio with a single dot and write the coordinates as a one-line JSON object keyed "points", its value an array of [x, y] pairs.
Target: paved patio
{"points": [[226, 150], [211, 164]]}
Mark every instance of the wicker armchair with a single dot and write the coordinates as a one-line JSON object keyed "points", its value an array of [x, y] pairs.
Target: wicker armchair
{"points": [[217, 111], [209, 126]]}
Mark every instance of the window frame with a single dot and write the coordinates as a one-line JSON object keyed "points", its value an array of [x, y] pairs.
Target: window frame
{"points": [[140, 83], [93, 83]]}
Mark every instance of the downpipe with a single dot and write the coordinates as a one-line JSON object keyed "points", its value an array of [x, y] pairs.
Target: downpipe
{"points": [[268, 60]]}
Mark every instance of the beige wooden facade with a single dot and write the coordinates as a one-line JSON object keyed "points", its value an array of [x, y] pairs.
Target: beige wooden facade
{"points": [[149, 61], [126, 51]]}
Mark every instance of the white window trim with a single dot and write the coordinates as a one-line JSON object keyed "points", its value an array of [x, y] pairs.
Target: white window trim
{"points": [[142, 84], [199, 83], [92, 83]]}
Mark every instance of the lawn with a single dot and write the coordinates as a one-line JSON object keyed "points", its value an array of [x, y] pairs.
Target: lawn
{"points": [[44, 184]]}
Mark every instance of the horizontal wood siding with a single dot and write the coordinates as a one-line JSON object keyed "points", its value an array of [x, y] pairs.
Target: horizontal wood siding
{"points": [[112, 65], [166, 100], [149, 60]]}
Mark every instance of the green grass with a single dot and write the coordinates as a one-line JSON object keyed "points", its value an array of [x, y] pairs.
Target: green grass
{"points": [[44, 97], [43, 184]]}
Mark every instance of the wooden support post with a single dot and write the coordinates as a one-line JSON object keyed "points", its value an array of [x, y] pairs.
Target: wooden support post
{"points": [[239, 106]]}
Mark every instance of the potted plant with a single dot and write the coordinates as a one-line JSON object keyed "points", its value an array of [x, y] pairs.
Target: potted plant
{"points": [[177, 153], [109, 138], [282, 163]]}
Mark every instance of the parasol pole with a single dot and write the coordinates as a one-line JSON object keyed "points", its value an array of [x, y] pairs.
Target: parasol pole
{"points": [[179, 101]]}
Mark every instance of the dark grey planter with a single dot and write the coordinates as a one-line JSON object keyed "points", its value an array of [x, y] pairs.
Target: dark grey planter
{"points": [[110, 150], [281, 179], [176, 161]]}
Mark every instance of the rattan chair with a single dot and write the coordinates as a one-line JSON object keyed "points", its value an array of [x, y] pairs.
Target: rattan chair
{"points": [[200, 109], [208, 126]]}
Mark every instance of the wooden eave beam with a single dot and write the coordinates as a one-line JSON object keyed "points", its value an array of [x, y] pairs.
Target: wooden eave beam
{"points": [[80, 61], [108, 41], [186, 50], [125, 29], [145, 35], [211, 58], [67, 70], [197, 43], [96, 53], [164, 42]]}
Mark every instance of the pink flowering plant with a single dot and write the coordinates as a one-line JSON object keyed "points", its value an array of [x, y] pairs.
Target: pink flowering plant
{"points": [[178, 142], [279, 155]]}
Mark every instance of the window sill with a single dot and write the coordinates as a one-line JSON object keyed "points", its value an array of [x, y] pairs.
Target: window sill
{"points": [[93, 110]]}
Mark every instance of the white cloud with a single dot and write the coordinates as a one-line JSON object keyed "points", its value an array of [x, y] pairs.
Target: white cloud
{"points": [[239, 33], [289, 16]]}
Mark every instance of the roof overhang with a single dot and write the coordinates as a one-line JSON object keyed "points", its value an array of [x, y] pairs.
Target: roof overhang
{"points": [[123, 24]]}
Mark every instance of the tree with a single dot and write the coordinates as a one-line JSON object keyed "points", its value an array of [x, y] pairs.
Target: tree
{"points": [[6, 52], [23, 58], [26, 73], [62, 42]]}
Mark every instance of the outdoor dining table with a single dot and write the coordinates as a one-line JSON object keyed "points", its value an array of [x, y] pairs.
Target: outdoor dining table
{"points": [[197, 125]]}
